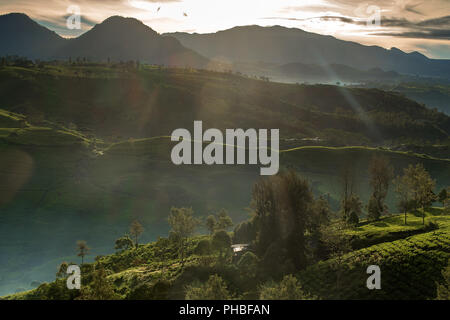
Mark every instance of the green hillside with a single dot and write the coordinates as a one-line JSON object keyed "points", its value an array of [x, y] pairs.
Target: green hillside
{"points": [[411, 267], [58, 187], [85, 151], [117, 102]]}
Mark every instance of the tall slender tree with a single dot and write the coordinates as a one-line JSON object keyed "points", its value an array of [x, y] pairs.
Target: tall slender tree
{"points": [[136, 230], [82, 249], [381, 174]]}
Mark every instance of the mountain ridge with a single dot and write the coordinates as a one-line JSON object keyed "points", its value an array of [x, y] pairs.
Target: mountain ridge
{"points": [[291, 45], [116, 38]]}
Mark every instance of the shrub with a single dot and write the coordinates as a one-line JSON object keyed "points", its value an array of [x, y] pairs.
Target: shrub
{"points": [[214, 289], [248, 264], [288, 289], [203, 247]]}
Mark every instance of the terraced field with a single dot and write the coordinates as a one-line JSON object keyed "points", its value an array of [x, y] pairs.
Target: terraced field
{"points": [[410, 267]]}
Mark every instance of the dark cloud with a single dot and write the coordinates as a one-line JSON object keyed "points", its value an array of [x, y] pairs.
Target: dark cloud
{"points": [[431, 34], [435, 28]]}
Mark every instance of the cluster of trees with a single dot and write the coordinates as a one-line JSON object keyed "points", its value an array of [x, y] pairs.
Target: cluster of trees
{"points": [[290, 229], [414, 189], [16, 61]]}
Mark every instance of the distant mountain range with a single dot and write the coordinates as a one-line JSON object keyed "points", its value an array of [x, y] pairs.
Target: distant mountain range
{"points": [[282, 51], [116, 38], [280, 45]]}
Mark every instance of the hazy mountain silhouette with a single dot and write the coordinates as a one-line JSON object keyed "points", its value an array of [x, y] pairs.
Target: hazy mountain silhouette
{"points": [[19, 35], [333, 72], [117, 38], [120, 38], [282, 45], [129, 39]]}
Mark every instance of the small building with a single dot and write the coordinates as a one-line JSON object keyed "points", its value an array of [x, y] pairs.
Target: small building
{"points": [[239, 248]]}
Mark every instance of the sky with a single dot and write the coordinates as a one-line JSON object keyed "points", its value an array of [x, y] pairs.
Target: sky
{"points": [[410, 25]]}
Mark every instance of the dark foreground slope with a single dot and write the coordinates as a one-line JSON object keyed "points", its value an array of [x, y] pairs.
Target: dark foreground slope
{"points": [[62, 180], [411, 268], [56, 193]]}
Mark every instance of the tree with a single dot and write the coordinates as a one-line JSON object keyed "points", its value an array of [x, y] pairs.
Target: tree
{"points": [[136, 230], [183, 225], [338, 244], [404, 194], [421, 185], [62, 270], [248, 264], [443, 196], [100, 288], [203, 247], [288, 289], [214, 289], [221, 221], [224, 221], [221, 241], [211, 223], [351, 209], [124, 243], [82, 249], [347, 178], [320, 215], [381, 173], [281, 206]]}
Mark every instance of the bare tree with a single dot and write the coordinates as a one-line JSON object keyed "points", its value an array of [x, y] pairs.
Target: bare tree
{"points": [[82, 249], [381, 173], [136, 230]]}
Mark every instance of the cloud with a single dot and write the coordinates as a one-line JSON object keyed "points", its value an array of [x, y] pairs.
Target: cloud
{"points": [[432, 34]]}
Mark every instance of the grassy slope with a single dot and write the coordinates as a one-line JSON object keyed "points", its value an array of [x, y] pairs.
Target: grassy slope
{"points": [[410, 266], [56, 193], [118, 104], [54, 189]]}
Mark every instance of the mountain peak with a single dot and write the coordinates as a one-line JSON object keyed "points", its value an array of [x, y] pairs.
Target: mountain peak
{"points": [[396, 50], [132, 24], [16, 15]]}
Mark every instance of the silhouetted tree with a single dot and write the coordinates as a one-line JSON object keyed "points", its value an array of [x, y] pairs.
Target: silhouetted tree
{"points": [[282, 205], [211, 223], [123, 243], [381, 173], [82, 249], [443, 196], [136, 230], [183, 225]]}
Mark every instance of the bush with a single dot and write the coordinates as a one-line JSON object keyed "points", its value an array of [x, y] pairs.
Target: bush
{"points": [[245, 232], [221, 241], [248, 264], [146, 291], [203, 247], [288, 289], [214, 289]]}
